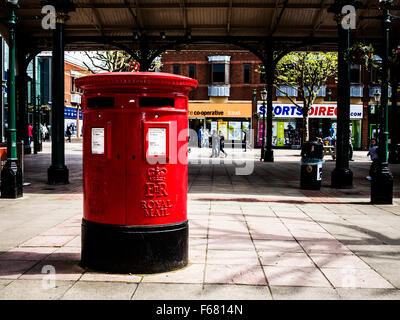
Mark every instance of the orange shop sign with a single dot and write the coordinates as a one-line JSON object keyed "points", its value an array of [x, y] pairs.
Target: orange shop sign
{"points": [[220, 110]]}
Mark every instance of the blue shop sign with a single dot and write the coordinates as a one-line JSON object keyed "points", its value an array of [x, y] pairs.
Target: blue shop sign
{"points": [[70, 113]]}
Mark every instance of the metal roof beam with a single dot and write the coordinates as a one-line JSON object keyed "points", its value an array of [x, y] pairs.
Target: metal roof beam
{"points": [[229, 18], [319, 17], [278, 19], [96, 14], [184, 14], [191, 5]]}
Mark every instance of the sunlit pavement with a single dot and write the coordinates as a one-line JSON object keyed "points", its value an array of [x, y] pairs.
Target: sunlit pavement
{"points": [[253, 235]]}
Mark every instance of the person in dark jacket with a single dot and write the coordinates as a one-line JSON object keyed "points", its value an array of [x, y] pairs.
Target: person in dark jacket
{"points": [[221, 143], [69, 134]]}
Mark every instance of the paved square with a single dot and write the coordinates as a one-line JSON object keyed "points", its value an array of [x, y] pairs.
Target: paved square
{"points": [[250, 237]]}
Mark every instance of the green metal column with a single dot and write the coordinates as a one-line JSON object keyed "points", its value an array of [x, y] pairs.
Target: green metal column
{"points": [[11, 175], [264, 125], [36, 127], [58, 173], [270, 70], [394, 157], [342, 176], [382, 182]]}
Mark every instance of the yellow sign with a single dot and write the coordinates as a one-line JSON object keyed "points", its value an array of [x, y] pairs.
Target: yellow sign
{"points": [[223, 127], [280, 141], [219, 110]]}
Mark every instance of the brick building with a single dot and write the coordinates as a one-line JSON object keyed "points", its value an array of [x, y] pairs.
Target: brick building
{"points": [[224, 98]]}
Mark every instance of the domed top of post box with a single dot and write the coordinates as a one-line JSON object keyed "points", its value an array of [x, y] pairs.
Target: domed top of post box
{"points": [[126, 81]]}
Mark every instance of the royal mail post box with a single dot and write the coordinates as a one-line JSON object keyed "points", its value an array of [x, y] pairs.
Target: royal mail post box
{"points": [[135, 171]]}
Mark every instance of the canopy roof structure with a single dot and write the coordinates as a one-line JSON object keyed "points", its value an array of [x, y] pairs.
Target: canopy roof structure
{"points": [[106, 24]]}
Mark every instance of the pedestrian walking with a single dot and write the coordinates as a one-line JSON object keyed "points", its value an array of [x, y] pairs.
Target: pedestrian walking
{"points": [[205, 139], [244, 141], [69, 133], [200, 135], [215, 144], [373, 153], [30, 135], [351, 148], [45, 132], [221, 144]]}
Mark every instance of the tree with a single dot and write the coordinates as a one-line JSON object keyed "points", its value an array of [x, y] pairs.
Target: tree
{"points": [[111, 61], [307, 72]]}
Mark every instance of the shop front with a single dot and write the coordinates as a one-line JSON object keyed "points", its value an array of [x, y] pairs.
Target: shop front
{"points": [[71, 120], [287, 124], [232, 119]]}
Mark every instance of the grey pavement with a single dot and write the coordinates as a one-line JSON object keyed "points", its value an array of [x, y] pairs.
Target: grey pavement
{"points": [[254, 234]]}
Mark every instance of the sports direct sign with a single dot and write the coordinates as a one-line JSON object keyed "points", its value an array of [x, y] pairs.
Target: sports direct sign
{"points": [[282, 110]]}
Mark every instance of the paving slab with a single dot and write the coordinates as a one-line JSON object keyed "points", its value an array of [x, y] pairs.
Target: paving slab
{"points": [[35, 290], [84, 290], [235, 274], [304, 293], [168, 291], [368, 294], [235, 292]]}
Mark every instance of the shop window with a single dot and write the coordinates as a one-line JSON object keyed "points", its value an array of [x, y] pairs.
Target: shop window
{"points": [[192, 71], [355, 74], [176, 69], [246, 73]]}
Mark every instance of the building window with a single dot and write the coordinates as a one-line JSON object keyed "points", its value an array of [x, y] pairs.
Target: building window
{"points": [[355, 76], [192, 71], [218, 72], [73, 88], [246, 73], [176, 69]]}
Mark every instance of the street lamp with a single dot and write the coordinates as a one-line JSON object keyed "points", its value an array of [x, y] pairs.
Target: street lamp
{"points": [[263, 98], [377, 98], [11, 175], [329, 94]]}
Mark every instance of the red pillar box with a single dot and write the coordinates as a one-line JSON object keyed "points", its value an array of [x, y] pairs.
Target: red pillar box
{"points": [[135, 171]]}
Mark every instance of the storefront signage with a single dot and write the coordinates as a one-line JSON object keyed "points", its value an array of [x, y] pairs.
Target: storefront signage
{"points": [[70, 113], [220, 110], [329, 111]]}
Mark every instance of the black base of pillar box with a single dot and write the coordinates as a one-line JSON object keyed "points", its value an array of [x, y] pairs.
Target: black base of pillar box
{"points": [[269, 156], [11, 181], [308, 180], [382, 188], [56, 175], [342, 178], [134, 249]]}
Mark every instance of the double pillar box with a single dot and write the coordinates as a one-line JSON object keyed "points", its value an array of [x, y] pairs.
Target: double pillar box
{"points": [[311, 165], [135, 139]]}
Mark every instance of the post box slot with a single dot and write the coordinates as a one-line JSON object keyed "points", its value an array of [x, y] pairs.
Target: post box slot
{"points": [[156, 102], [100, 102]]}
